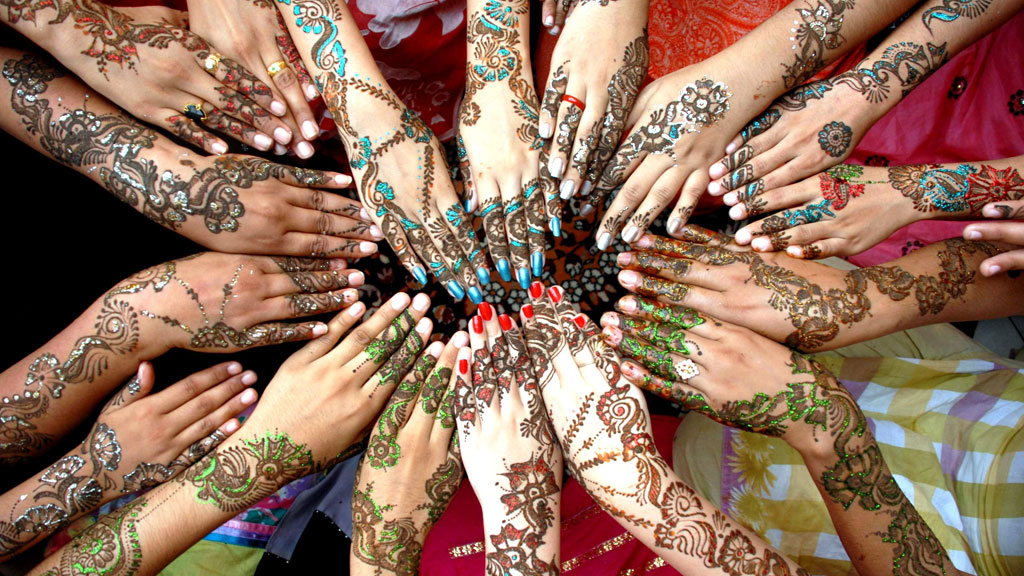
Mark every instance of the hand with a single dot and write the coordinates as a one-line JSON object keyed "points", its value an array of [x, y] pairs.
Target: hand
{"points": [[519, 488], [498, 131], [1008, 232], [215, 302], [586, 138], [411, 468], [554, 12], [252, 33], [794, 398], [139, 440]]}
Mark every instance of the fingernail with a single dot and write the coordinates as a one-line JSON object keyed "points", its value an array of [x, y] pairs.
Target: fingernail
{"points": [[555, 167], [349, 295], [357, 310], [249, 396], [612, 335], [504, 270], [629, 278], [554, 30], [610, 319], [420, 274], [219, 148], [460, 340], [363, 215], [282, 135], [475, 295], [536, 290], [231, 427], [319, 329], [585, 189], [477, 324], [278, 108], [627, 305], [715, 188], [483, 275], [356, 278], [537, 262], [467, 205], [367, 247], [549, 20], [309, 130], [565, 190], [279, 150], [761, 244], [463, 366], [994, 269], [311, 92], [630, 234], [581, 321], [624, 258], [731, 199], [556, 226], [375, 232], [675, 225], [545, 132], [731, 148], [972, 235], [992, 211], [262, 142], [737, 212], [304, 150], [603, 241], [743, 237], [586, 210], [524, 278], [420, 302], [527, 311], [399, 301], [645, 241], [486, 311], [337, 264], [423, 326], [505, 321], [435, 349], [555, 293], [630, 369], [234, 368], [717, 170], [345, 180], [456, 290]]}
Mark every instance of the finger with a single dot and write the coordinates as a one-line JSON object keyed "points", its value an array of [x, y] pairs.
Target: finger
{"points": [[762, 166], [660, 362], [465, 399], [668, 337], [802, 235], [688, 197], [777, 199], [1004, 210], [319, 222], [460, 224], [401, 408], [455, 269], [223, 419], [191, 132], [202, 414], [468, 194], [399, 241], [547, 13], [629, 154], [1012, 260], [680, 392], [394, 369], [562, 9], [201, 447], [515, 228], [664, 189], [748, 135], [693, 242], [629, 197], [218, 120], [335, 204], [336, 328], [494, 228], [222, 337], [291, 53], [136, 387], [180, 393], [797, 217], [570, 111], [371, 343], [548, 189], [647, 309], [483, 380], [284, 283], [585, 144], [287, 83], [533, 205], [438, 382], [553, 92], [301, 177], [820, 249], [1010, 232]]}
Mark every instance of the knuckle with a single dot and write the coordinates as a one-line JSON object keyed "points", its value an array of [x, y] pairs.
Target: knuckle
{"points": [[361, 337]]}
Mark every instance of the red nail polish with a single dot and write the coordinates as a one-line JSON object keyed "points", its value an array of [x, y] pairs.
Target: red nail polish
{"points": [[555, 293], [463, 366], [505, 321], [486, 311], [536, 289], [478, 324], [527, 311], [580, 320]]}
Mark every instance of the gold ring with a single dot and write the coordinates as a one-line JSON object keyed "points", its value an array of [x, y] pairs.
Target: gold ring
{"points": [[212, 62], [276, 68]]}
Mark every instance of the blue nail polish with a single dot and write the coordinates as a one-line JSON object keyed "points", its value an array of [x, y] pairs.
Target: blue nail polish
{"points": [[524, 278], [556, 226], [467, 206], [455, 289], [483, 275], [420, 274], [537, 261], [504, 270], [475, 295]]}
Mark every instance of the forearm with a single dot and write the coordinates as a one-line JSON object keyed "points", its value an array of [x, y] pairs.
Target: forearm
{"points": [[956, 191]]}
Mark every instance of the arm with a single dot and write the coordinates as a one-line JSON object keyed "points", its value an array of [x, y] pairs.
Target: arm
{"points": [[235, 204]]}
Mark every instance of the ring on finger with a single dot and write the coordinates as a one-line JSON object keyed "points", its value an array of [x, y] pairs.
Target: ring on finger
{"points": [[574, 101], [276, 68], [194, 111], [212, 62]]}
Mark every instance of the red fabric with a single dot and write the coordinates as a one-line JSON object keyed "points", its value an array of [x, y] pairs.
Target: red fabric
{"points": [[585, 527]]}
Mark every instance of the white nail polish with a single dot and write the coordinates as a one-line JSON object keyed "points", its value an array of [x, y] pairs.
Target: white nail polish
{"points": [[421, 302], [555, 167], [262, 142], [565, 190], [367, 247], [364, 215], [586, 188], [249, 396], [356, 309], [435, 349], [311, 93], [423, 325], [544, 130], [282, 135], [400, 301], [603, 241], [219, 148], [972, 235], [309, 130], [279, 150], [549, 20], [630, 234], [305, 150], [714, 188], [375, 232], [278, 108], [356, 278], [675, 225], [342, 180], [586, 210]]}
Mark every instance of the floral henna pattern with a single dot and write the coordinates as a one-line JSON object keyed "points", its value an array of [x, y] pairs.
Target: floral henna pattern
{"points": [[835, 139], [816, 29], [965, 188], [951, 10]]}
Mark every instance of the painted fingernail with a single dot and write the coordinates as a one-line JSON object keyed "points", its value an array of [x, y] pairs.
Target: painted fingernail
{"points": [[505, 321], [483, 275], [345, 180], [311, 92], [527, 311], [585, 189], [624, 259], [536, 290], [761, 244], [645, 241], [675, 225], [717, 170], [262, 142], [523, 275], [357, 310], [400, 301], [231, 427], [994, 269], [463, 366], [603, 241], [555, 167], [234, 368], [460, 340], [555, 293], [278, 108], [435, 349], [249, 396], [715, 188], [610, 319], [282, 135], [628, 278], [319, 329], [309, 130], [486, 311], [355, 278], [731, 199], [219, 148], [565, 190], [996, 211], [631, 234], [467, 205], [586, 210], [420, 274], [456, 290], [420, 302], [537, 263], [375, 232], [363, 215], [743, 237], [627, 305], [556, 226], [423, 326], [545, 132], [554, 30], [477, 324], [731, 147], [504, 270], [304, 150], [549, 20], [738, 212], [580, 320], [972, 235], [612, 335], [279, 150], [367, 247], [475, 295]]}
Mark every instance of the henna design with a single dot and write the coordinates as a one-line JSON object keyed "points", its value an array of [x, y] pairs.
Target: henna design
{"points": [[110, 546], [816, 30], [965, 188], [906, 62], [835, 138], [842, 183], [654, 287], [751, 198], [622, 91], [384, 450], [798, 216], [397, 550], [951, 10], [761, 124]]}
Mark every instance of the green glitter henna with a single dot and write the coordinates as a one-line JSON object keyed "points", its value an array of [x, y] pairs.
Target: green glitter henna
{"points": [[667, 314], [658, 361], [665, 336]]}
